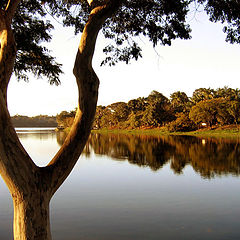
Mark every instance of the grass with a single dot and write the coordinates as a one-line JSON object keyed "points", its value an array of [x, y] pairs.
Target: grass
{"points": [[216, 133], [226, 131]]}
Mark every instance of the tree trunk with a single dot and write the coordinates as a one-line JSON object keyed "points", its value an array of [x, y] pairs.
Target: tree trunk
{"points": [[31, 217], [32, 187]]}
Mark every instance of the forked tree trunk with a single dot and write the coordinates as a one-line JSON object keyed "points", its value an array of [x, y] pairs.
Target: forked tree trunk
{"points": [[32, 187]]}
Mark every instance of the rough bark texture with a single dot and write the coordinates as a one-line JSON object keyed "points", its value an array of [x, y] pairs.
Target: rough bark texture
{"points": [[31, 216], [32, 187]]}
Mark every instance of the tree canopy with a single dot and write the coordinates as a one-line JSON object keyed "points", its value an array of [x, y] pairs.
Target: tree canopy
{"points": [[160, 21]]}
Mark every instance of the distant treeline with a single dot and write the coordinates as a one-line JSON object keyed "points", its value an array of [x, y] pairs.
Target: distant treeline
{"points": [[37, 121], [206, 107]]}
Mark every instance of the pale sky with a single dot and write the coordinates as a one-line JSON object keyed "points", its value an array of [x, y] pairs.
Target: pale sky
{"points": [[204, 61]]}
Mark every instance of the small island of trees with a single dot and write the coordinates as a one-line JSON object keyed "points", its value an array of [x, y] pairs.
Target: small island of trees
{"points": [[207, 107]]}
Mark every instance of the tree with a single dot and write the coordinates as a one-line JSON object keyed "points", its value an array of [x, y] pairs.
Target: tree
{"points": [[99, 114], [223, 116], [228, 93], [233, 108], [157, 111], [201, 94], [134, 120], [32, 187], [181, 124], [65, 119], [137, 105], [179, 101], [120, 111], [23, 26], [108, 119], [212, 111], [150, 114], [204, 112]]}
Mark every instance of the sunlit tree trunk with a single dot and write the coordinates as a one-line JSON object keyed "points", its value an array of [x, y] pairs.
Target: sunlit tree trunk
{"points": [[31, 216], [7, 52], [32, 187]]}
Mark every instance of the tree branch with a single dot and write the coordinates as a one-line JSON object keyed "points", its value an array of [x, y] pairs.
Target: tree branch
{"points": [[16, 167], [11, 8], [7, 53], [88, 83]]}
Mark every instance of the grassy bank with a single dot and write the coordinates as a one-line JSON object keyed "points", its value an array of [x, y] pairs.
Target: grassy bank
{"points": [[227, 131]]}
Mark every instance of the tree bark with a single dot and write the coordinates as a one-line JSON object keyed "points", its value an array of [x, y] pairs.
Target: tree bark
{"points": [[32, 187], [7, 52], [31, 216]]}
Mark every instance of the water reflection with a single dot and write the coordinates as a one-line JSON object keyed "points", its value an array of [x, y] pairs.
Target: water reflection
{"points": [[105, 199], [40, 143], [209, 157], [61, 136]]}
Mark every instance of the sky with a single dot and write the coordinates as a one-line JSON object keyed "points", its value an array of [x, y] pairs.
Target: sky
{"points": [[204, 61]]}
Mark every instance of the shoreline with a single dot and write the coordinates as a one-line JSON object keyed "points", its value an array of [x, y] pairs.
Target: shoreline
{"points": [[221, 132]]}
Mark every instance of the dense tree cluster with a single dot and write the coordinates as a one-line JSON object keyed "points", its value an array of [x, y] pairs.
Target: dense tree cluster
{"points": [[37, 121], [178, 113]]}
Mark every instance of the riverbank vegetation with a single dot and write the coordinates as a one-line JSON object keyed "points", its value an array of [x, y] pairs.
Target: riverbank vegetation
{"points": [[37, 121], [206, 109]]}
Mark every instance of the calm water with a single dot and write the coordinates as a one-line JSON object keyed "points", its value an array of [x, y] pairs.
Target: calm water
{"points": [[140, 187]]}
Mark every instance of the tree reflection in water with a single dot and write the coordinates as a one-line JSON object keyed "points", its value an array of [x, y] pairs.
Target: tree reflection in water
{"points": [[210, 157]]}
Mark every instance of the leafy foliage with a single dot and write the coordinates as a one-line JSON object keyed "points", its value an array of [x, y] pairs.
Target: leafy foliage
{"points": [[65, 119], [179, 101], [214, 111], [157, 111], [201, 94], [31, 30], [227, 12], [160, 21], [180, 113], [182, 123], [204, 112]]}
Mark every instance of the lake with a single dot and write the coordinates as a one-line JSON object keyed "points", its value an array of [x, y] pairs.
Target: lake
{"points": [[128, 187]]}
